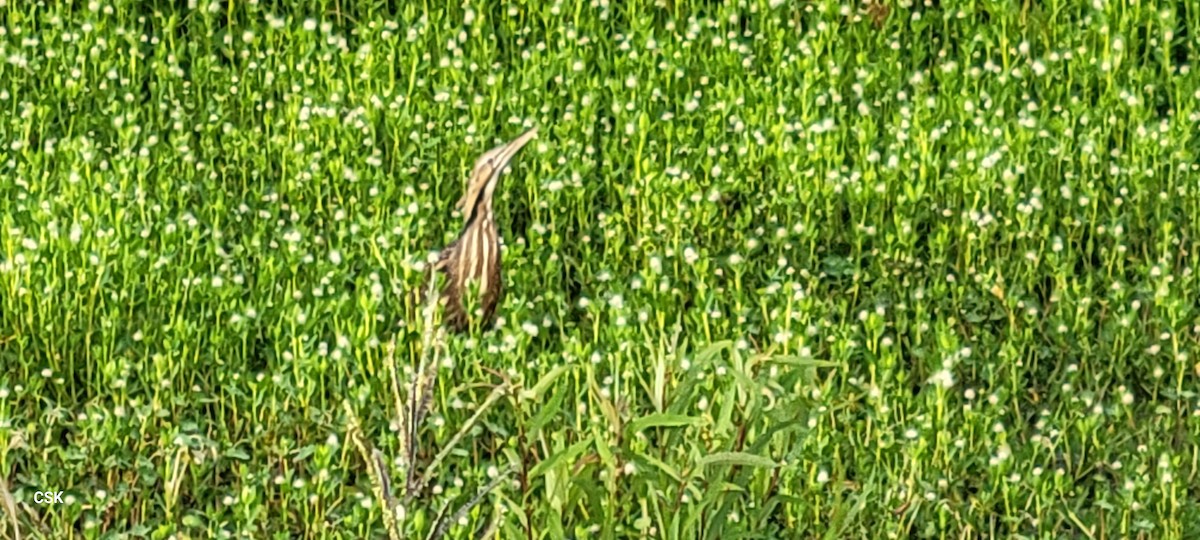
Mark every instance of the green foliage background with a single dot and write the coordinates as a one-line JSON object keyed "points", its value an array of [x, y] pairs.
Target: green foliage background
{"points": [[773, 270]]}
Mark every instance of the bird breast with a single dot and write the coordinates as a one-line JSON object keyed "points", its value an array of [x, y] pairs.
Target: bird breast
{"points": [[479, 256]]}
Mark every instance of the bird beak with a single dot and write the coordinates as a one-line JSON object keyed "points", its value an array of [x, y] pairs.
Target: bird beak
{"points": [[499, 163], [511, 149]]}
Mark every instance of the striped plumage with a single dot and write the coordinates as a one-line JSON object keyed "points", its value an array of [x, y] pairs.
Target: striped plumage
{"points": [[474, 257]]}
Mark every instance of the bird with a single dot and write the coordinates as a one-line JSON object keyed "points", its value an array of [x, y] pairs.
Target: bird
{"points": [[474, 256]]}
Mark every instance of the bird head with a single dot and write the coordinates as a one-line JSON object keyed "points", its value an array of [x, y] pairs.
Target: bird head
{"points": [[486, 174]]}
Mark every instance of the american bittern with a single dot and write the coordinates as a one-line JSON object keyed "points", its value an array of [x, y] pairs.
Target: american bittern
{"points": [[474, 257]]}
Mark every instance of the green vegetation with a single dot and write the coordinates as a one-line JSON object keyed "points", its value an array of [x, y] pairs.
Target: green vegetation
{"points": [[773, 271]]}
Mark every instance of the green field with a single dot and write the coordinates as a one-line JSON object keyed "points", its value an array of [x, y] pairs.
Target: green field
{"points": [[774, 269]]}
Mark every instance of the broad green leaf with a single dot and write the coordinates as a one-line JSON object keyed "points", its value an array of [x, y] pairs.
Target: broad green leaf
{"points": [[798, 361], [661, 420], [191, 520], [737, 458], [547, 380], [237, 453]]}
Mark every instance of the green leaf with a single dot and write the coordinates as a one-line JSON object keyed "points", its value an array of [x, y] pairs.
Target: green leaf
{"points": [[793, 360], [568, 455], [661, 420], [730, 486], [237, 453], [192, 521], [547, 412], [659, 391], [602, 448], [547, 380], [737, 458], [662, 466], [706, 354], [748, 385], [303, 453]]}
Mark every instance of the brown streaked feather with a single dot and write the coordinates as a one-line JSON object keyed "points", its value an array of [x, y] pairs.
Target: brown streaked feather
{"points": [[474, 257]]}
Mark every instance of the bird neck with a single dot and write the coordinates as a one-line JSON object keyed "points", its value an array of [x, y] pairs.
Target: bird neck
{"points": [[482, 210], [483, 199]]}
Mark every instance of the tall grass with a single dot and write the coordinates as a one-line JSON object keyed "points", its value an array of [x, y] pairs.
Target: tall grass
{"points": [[773, 269]]}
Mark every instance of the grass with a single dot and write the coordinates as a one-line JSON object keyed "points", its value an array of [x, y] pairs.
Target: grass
{"points": [[774, 269]]}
